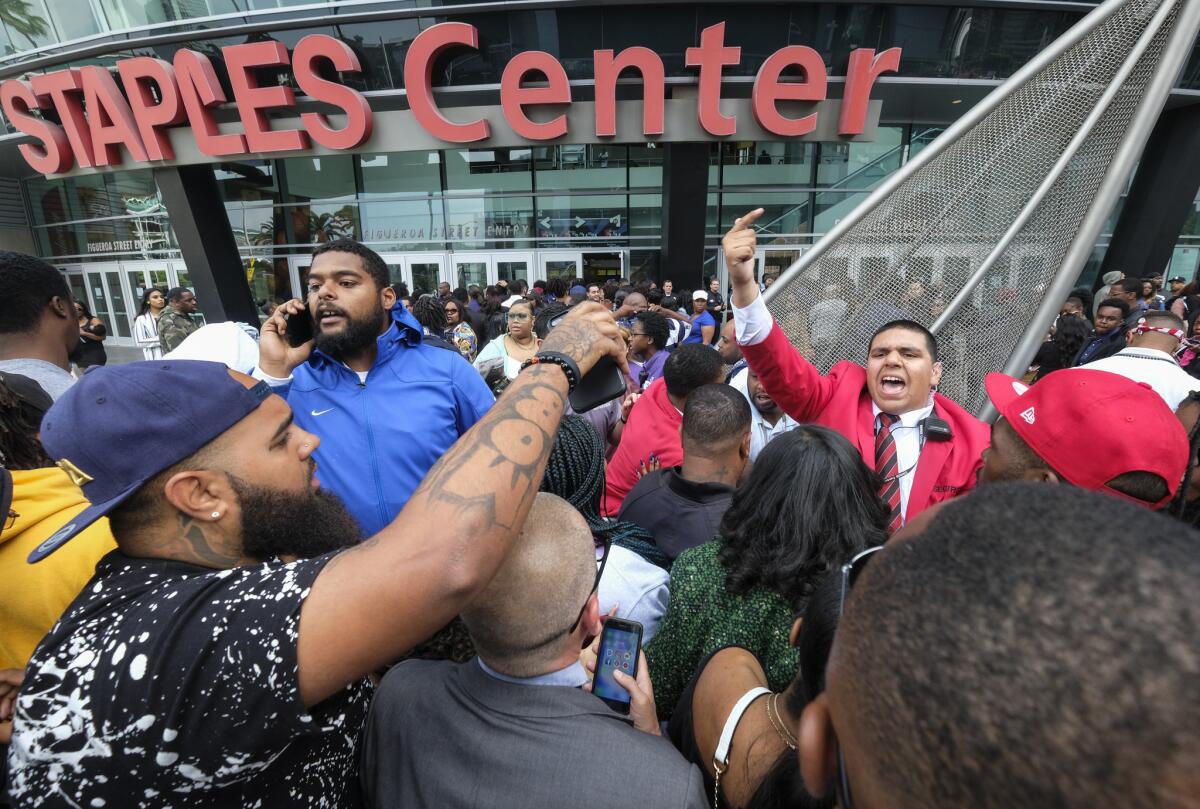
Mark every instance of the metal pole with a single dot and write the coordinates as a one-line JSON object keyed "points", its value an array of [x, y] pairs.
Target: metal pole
{"points": [[1174, 55], [947, 139], [1059, 166]]}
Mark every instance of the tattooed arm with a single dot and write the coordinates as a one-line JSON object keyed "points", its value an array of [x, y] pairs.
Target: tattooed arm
{"points": [[372, 603]]}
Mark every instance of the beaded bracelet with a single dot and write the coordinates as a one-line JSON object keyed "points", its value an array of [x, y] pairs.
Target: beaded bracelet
{"points": [[561, 360]]}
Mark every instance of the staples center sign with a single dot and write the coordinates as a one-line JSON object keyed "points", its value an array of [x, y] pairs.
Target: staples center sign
{"points": [[100, 123]]}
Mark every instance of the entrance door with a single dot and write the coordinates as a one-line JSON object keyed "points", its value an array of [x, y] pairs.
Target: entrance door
{"points": [[418, 271], [592, 266], [108, 300], [488, 268]]}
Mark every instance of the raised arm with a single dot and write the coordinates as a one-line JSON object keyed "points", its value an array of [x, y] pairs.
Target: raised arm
{"points": [[375, 601], [787, 376]]}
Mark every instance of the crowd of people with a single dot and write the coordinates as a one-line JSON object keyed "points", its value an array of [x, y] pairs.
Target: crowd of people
{"points": [[372, 568]]}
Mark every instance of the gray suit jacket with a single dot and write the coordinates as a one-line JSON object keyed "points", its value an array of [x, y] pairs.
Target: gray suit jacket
{"points": [[448, 736]]}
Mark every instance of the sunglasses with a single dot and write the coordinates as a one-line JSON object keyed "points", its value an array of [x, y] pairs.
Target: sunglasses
{"points": [[850, 573], [516, 317], [595, 584]]}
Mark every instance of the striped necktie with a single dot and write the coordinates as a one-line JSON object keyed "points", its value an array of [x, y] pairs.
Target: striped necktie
{"points": [[886, 465]]}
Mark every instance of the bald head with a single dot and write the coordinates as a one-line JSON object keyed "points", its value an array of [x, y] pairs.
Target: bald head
{"points": [[522, 623]]}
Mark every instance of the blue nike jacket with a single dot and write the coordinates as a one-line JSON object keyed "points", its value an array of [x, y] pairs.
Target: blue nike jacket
{"points": [[380, 437]]}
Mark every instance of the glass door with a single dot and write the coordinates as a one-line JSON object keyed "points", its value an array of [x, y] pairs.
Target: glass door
{"points": [[108, 301], [561, 264], [483, 269], [420, 272], [600, 267], [180, 277]]}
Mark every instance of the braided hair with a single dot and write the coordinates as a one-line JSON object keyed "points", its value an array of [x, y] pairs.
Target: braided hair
{"points": [[20, 447], [429, 313], [575, 472]]}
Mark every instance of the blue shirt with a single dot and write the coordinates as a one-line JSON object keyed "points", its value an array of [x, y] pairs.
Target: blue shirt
{"points": [[380, 436], [698, 323], [573, 676]]}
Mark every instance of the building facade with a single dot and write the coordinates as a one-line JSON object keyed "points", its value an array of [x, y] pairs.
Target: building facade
{"points": [[212, 143]]}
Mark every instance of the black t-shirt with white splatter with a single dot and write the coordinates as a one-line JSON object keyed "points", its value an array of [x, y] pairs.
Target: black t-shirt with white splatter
{"points": [[170, 685]]}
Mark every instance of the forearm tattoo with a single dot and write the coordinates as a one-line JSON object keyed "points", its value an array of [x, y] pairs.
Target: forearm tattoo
{"points": [[493, 472]]}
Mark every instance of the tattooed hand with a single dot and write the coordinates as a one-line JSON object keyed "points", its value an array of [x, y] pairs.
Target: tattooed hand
{"points": [[586, 334]]}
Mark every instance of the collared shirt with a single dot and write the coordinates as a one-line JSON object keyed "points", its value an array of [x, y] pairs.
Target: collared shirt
{"points": [[1158, 369], [907, 435], [762, 431], [573, 676]]}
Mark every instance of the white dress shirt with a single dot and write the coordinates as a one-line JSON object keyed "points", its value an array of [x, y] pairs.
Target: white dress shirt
{"points": [[762, 431], [907, 435], [1158, 369], [752, 324]]}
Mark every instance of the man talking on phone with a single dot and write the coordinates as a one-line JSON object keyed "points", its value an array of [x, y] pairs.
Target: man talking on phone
{"points": [[925, 447], [514, 727], [385, 405]]}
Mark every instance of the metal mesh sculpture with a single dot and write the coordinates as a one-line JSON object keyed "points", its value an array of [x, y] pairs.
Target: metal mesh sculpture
{"points": [[1000, 213]]}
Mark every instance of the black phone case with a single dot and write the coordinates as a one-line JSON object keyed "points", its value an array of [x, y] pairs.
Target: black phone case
{"points": [[624, 626], [299, 328], [600, 385]]}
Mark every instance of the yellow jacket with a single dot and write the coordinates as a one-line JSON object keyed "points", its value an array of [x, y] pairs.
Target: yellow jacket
{"points": [[32, 597]]}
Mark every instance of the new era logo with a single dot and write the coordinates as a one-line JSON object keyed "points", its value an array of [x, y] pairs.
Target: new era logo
{"points": [[1029, 416]]}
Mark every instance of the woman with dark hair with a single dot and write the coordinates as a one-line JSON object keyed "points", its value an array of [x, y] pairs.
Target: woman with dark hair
{"points": [[767, 723], [635, 573], [808, 505], [1070, 333], [458, 330], [145, 327], [92, 332]]}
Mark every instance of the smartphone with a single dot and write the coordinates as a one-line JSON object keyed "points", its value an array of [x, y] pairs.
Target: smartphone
{"points": [[620, 643], [600, 385], [299, 328]]}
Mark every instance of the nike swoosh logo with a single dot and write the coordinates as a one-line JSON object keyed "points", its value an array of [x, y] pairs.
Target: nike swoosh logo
{"points": [[321, 412]]}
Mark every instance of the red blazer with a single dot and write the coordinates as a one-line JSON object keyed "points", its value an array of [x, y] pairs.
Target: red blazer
{"points": [[841, 401], [652, 428]]}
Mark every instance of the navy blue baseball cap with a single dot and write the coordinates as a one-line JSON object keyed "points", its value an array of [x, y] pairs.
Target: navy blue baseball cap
{"points": [[97, 430]]}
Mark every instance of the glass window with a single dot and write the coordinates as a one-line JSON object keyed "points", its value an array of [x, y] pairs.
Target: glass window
{"points": [[922, 136], [582, 216], [247, 181], [784, 214], [856, 164], [645, 215], [319, 178], [73, 19], [269, 280], [314, 224], [401, 173], [767, 163], [644, 265], [575, 167], [402, 225], [382, 46], [833, 207], [489, 170], [47, 200], [645, 166], [489, 222]]}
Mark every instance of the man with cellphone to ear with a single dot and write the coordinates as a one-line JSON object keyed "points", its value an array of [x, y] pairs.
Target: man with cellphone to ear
{"points": [[515, 727], [925, 447]]}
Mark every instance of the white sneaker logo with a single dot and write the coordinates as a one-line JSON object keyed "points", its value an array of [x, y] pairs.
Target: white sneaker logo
{"points": [[321, 412]]}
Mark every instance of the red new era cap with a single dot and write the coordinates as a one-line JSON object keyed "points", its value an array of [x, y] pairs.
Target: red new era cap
{"points": [[1093, 426]]}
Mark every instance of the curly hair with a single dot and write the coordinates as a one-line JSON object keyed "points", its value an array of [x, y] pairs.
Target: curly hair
{"points": [[20, 422], [808, 505], [575, 472]]}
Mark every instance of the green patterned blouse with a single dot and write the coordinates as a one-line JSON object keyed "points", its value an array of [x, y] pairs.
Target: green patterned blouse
{"points": [[702, 617]]}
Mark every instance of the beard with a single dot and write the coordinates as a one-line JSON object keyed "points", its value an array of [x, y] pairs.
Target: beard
{"points": [[294, 524], [357, 334]]}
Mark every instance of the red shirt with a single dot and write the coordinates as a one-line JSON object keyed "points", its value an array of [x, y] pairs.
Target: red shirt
{"points": [[652, 429]]}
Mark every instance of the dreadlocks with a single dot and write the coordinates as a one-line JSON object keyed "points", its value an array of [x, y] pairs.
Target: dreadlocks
{"points": [[430, 313], [1180, 507], [19, 426], [575, 472]]}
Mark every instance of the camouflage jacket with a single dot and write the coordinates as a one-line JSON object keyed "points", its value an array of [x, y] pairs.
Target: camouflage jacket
{"points": [[173, 327]]}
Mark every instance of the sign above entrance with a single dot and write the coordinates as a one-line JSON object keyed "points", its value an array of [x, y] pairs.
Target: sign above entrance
{"points": [[101, 125]]}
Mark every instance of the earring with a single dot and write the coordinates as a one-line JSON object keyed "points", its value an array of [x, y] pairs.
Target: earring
{"points": [[216, 515]]}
